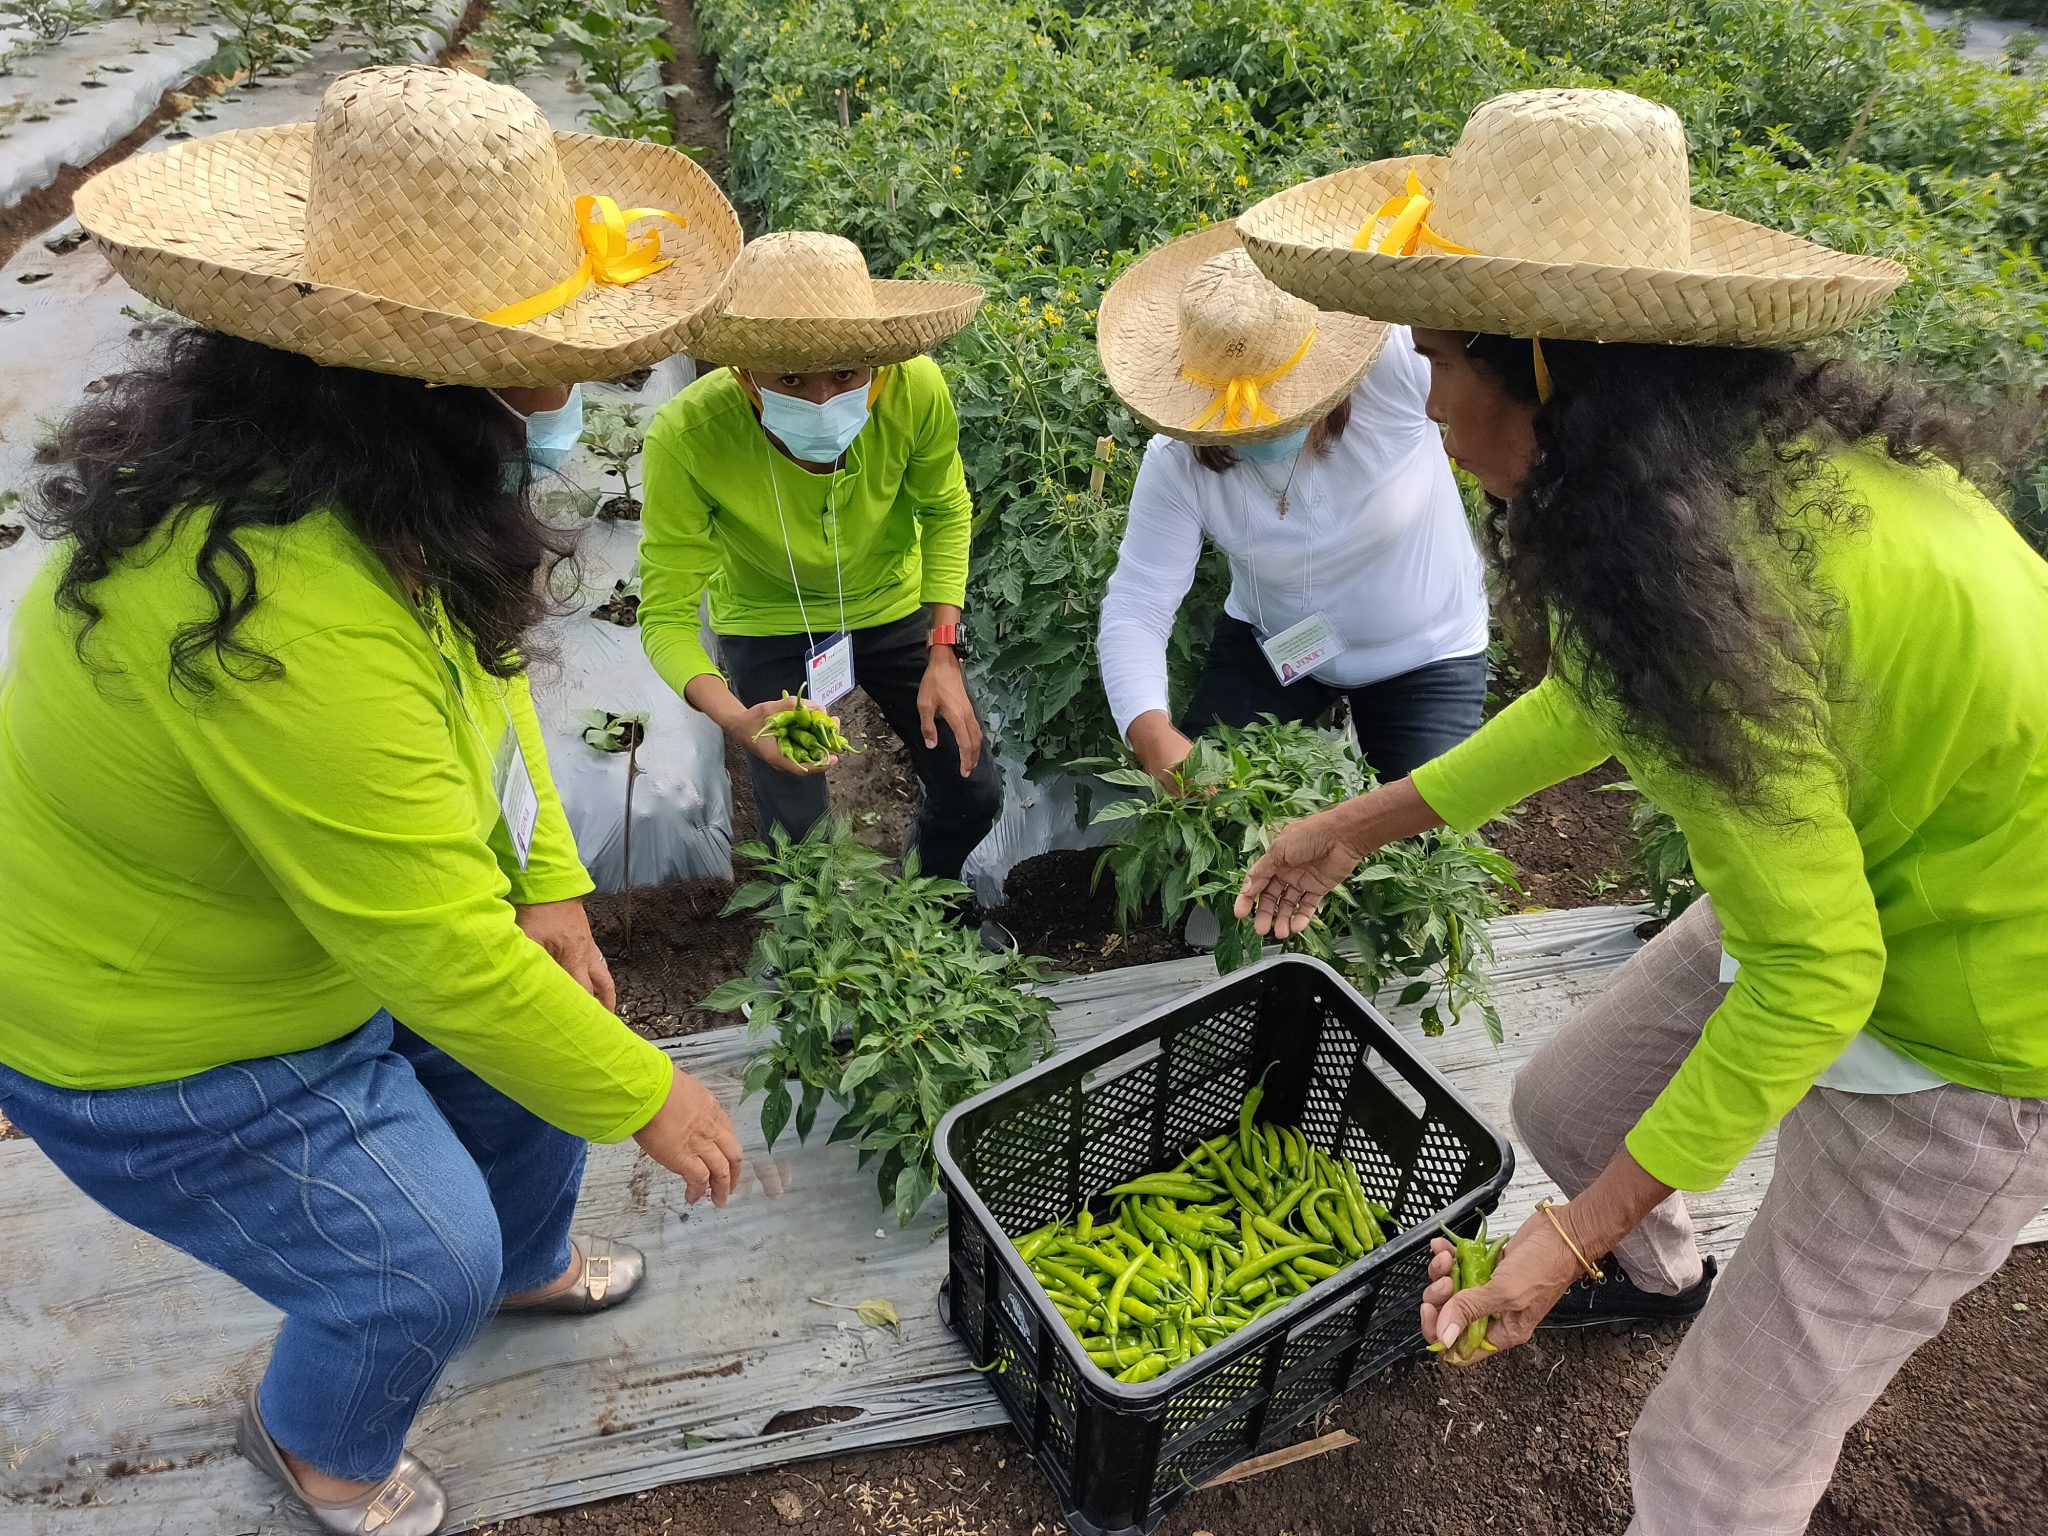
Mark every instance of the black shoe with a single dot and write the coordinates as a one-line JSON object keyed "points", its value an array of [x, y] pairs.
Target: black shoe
{"points": [[1618, 1299]]}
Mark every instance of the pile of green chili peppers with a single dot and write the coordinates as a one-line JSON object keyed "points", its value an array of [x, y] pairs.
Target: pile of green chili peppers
{"points": [[1241, 1225]]}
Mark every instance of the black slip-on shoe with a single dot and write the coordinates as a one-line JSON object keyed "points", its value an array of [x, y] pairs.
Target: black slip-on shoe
{"points": [[1618, 1299]]}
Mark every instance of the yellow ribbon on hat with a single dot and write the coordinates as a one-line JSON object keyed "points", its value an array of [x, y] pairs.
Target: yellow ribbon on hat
{"points": [[1406, 236], [1237, 406], [611, 257], [1409, 230]]}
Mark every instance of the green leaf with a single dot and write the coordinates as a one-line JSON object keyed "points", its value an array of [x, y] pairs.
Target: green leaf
{"points": [[1414, 992], [775, 1110]]}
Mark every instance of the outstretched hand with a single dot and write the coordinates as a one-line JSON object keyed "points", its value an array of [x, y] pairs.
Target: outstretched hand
{"points": [[1308, 860]]}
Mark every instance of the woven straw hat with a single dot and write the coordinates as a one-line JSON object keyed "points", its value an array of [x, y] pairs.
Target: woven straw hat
{"points": [[1560, 213], [801, 302], [420, 201], [1202, 347]]}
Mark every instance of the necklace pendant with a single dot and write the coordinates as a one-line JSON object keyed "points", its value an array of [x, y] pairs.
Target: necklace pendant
{"points": [[1282, 504]]}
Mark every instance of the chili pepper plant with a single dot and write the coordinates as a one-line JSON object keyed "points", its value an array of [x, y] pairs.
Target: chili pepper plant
{"points": [[1414, 913], [869, 993]]}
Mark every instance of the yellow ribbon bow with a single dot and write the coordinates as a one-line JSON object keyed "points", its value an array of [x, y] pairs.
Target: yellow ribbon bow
{"points": [[611, 257], [1237, 406], [1408, 232]]}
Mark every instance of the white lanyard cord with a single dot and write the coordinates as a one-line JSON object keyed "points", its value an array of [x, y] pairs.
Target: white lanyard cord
{"points": [[789, 551], [1251, 548]]}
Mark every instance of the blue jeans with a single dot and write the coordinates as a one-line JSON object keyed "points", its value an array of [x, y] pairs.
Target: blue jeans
{"points": [[381, 1195], [1401, 722]]}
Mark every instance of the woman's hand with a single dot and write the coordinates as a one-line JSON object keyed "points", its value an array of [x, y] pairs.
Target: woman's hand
{"points": [[1160, 748], [943, 696], [1316, 854], [562, 928], [750, 730], [1307, 861], [692, 1135], [1537, 1268]]}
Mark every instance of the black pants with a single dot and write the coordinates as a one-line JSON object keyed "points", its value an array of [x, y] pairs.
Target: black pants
{"points": [[1402, 722], [888, 665]]}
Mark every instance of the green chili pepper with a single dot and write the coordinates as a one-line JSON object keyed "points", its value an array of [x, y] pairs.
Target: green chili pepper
{"points": [[1144, 1370], [1114, 1307], [1251, 1269], [1172, 1185]]}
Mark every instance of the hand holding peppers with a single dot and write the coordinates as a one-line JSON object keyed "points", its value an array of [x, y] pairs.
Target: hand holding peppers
{"points": [[1467, 1322]]}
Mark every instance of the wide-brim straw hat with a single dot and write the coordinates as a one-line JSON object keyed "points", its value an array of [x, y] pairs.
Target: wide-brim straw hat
{"points": [[1574, 212], [422, 202], [799, 301], [1195, 317]]}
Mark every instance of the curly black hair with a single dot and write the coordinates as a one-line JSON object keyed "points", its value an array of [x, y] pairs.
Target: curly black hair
{"points": [[247, 436], [1663, 552]]}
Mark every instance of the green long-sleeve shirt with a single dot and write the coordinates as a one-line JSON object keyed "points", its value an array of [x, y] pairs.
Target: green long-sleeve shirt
{"points": [[715, 485], [193, 880], [1898, 882]]}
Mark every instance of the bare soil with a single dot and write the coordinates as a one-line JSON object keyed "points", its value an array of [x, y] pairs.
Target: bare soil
{"points": [[1532, 1444], [1571, 843]]}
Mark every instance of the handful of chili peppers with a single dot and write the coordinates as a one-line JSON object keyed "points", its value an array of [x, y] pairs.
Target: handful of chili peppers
{"points": [[1240, 1226]]}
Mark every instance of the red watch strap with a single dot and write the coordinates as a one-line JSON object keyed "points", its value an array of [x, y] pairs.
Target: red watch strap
{"points": [[943, 634]]}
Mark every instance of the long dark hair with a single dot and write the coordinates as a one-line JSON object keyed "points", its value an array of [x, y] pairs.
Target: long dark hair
{"points": [[1217, 457], [207, 425], [1663, 551]]}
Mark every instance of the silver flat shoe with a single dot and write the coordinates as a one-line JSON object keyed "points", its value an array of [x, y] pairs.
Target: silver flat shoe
{"points": [[612, 1271], [410, 1502]]}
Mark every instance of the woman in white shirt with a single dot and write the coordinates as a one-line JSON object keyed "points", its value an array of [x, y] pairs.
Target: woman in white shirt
{"points": [[1296, 441]]}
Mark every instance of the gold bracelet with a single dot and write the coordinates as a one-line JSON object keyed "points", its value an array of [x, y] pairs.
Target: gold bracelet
{"points": [[1593, 1271]]}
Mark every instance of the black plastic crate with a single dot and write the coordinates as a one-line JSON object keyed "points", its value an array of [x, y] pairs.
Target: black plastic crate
{"points": [[1026, 1153]]}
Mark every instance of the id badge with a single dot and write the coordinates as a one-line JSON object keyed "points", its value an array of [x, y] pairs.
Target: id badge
{"points": [[828, 671], [1299, 649], [517, 800]]}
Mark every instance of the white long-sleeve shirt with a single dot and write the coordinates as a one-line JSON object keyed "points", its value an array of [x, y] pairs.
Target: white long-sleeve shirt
{"points": [[1375, 539]]}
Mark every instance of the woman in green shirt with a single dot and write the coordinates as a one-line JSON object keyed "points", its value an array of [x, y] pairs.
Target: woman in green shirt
{"points": [[1766, 584], [295, 973], [812, 490]]}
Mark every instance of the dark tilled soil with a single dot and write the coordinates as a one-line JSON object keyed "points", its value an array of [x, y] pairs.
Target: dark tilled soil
{"points": [[1532, 1444], [1052, 905], [699, 113], [1571, 843]]}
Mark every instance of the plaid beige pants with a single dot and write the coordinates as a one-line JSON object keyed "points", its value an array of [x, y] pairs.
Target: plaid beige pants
{"points": [[1881, 1212]]}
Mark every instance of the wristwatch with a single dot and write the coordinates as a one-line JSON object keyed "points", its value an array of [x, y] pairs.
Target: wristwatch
{"points": [[953, 635]]}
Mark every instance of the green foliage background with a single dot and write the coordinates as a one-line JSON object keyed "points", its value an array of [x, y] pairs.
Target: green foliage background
{"points": [[1036, 147]]}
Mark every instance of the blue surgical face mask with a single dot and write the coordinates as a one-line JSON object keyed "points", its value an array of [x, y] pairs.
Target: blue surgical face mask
{"points": [[1278, 451], [551, 436], [817, 434]]}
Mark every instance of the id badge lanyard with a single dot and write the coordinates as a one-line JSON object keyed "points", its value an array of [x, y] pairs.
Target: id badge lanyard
{"points": [[1300, 648], [828, 667]]}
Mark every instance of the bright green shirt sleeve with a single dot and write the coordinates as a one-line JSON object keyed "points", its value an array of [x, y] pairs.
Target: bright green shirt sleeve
{"points": [[677, 558], [338, 782], [937, 481], [554, 870], [1797, 911], [1541, 739]]}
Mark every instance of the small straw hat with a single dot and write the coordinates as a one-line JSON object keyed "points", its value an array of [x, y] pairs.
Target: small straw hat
{"points": [[428, 224], [1560, 214], [801, 302], [1201, 347]]}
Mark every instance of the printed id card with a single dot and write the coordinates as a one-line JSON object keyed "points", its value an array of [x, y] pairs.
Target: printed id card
{"points": [[517, 800], [828, 670], [1300, 648]]}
